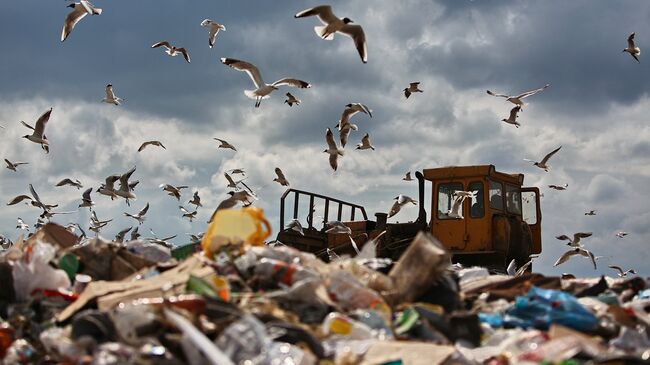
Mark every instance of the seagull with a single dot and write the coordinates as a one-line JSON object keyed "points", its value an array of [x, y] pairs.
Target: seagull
{"points": [[196, 199], [576, 251], [120, 235], [591, 212], [22, 225], [150, 143], [20, 198], [518, 98], [235, 196], [173, 50], [280, 179], [196, 238], [237, 171], [365, 143], [333, 24], [456, 210], [5, 243], [80, 10], [295, 225], [621, 273], [12, 165], [125, 190], [37, 201], [187, 214], [350, 110], [67, 181], [140, 217], [160, 241], [332, 149], [337, 227], [263, 90], [291, 100], [408, 176], [214, 29], [85, 199], [512, 119], [542, 164], [512, 267], [38, 135], [400, 201], [108, 188], [632, 49], [174, 191], [559, 187], [110, 96], [413, 88], [231, 182], [135, 234], [225, 144], [344, 133], [575, 242], [621, 234]]}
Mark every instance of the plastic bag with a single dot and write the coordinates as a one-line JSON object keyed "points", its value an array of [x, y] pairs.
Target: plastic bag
{"points": [[246, 225], [34, 272]]}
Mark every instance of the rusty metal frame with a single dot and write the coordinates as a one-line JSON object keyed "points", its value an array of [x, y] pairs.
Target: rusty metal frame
{"points": [[327, 199]]}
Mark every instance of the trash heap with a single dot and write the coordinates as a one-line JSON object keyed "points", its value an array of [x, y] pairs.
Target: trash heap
{"points": [[238, 301]]}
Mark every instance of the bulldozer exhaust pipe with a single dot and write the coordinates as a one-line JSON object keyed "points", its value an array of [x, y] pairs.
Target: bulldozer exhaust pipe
{"points": [[422, 214]]}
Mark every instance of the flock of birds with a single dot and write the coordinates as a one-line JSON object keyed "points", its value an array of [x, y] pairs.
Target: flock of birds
{"points": [[242, 193]]}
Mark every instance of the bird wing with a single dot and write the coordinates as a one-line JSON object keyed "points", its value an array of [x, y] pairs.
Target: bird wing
{"points": [[334, 161], [110, 181], [247, 67], [457, 206], [630, 41], [512, 268], [343, 135], [124, 179], [514, 111], [414, 84], [563, 238], [19, 198], [323, 12], [168, 238], [41, 122], [35, 195], [531, 92], [590, 255], [162, 44], [71, 20], [355, 32], [86, 194], [523, 268], [565, 256], [329, 137], [279, 173], [144, 210], [617, 268], [394, 209], [183, 209], [362, 108], [230, 180], [186, 54], [579, 235], [65, 181], [292, 82], [109, 92], [142, 146], [547, 157], [27, 125], [366, 140], [123, 232], [498, 95]]}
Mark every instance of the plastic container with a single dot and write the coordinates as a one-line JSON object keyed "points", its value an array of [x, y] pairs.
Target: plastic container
{"points": [[247, 225]]}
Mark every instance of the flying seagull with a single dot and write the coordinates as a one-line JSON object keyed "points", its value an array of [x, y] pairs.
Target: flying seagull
{"points": [[400, 201], [295, 225], [12, 165], [333, 24], [332, 149], [110, 96], [187, 214], [22, 225], [225, 144], [408, 176], [237, 171], [344, 133], [20, 198], [119, 237], [512, 119], [559, 187], [591, 212], [140, 217], [85, 199], [38, 134], [291, 100], [413, 88], [365, 143], [263, 90], [196, 200], [108, 188], [621, 273], [151, 143], [174, 191], [575, 241], [576, 251], [280, 177], [456, 210], [135, 234], [621, 234], [125, 190], [68, 181], [543, 164], [231, 183], [632, 49], [173, 50], [518, 99], [213, 28], [79, 11], [350, 110], [242, 196]]}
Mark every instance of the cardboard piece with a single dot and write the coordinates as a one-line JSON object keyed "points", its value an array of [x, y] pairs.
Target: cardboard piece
{"points": [[409, 353]]}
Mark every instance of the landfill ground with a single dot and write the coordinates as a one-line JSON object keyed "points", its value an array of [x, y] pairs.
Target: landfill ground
{"points": [[239, 301]]}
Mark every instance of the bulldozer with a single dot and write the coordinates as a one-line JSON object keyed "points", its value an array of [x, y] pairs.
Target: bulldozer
{"points": [[501, 221]]}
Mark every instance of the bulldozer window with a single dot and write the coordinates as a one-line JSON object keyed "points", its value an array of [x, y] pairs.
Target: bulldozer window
{"points": [[446, 198], [496, 195], [513, 199], [477, 209], [529, 207]]}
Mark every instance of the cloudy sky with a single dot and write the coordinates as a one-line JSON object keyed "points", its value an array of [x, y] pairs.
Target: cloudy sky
{"points": [[596, 108]]}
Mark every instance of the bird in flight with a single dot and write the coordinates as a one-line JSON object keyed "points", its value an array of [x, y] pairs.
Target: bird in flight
{"points": [[518, 99], [408, 177], [38, 134], [263, 90], [576, 251], [621, 234], [225, 144], [140, 216], [12, 165], [196, 200], [333, 24], [151, 143], [332, 149], [173, 50], [632, 49], [559, 187], [79, 11], [400, 201], [214, 29], [544, 163], [413, 88], [621, 273], [110, 96], [68, 181], [280, 177], [512, 119], [291, 100], [591, 212], [365, 143], [575, 241]]}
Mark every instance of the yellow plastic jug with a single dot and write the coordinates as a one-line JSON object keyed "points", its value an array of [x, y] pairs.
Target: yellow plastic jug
{"points": [[247, 225]]}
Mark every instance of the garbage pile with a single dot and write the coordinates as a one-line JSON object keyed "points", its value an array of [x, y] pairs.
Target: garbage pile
{"points": [[240, 301]]}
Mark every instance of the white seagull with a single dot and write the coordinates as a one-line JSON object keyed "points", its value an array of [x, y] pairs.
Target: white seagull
{"points": [[621, 273], [365, 143], [38, 136], [559, 187], [621, 234], [576, 251], [263, 90], [173, 50], [350, 110], [68, 181], [291, 100], [172, 190], [125, 190], [512, 119], [22, 225], [225, 144], [456, 210], [280, 179], [108, 188], [80, 10], [518, 99], [140, 217], [110, 96], [12, 165], [400, 201], [85, 199], [333, 24], [408, 176], [187, 214], [151, 143], [213, 28], [413, 88], [632, 49], [119, 237], [196, 200], [543, 164], [332, 149], [575, 242]]}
